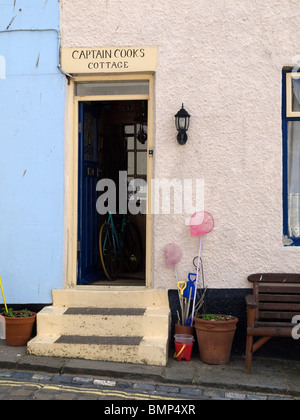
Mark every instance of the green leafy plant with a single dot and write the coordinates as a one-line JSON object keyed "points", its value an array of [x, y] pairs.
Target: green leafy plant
{"points": [[214, 317], [16, 314]]}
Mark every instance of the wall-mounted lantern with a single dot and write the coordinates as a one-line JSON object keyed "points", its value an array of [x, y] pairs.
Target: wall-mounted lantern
{"points": [[182, 121]]}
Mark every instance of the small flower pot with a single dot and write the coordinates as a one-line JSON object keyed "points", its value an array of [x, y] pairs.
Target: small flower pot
{"points": [[181, 329], [215, 340], [18, 330]]}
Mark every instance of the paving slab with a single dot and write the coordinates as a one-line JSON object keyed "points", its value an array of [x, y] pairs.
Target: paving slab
{"points": [[293, 383], [46, 364], [10, 356], [179, 372], [233, 376], [113, 369]]}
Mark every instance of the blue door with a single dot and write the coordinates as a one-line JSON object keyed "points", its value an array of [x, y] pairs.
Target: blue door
{"points": [[87, 180]]}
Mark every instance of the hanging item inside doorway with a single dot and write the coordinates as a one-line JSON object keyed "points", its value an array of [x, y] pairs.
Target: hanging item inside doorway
{"points": [[142, 135], [141, 119]]}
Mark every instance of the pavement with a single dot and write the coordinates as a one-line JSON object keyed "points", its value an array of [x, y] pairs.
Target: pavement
{"points": [[270, 378]]}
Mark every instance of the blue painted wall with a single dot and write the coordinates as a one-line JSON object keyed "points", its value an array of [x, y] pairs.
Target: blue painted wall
{"points": [[32, 151]]}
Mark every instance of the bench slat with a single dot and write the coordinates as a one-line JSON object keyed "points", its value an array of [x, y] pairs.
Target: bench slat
{"points": [[277, 315], [279, 306], [277, 324], [275, 277], [279, 298], [270, 331], [287, 288]]}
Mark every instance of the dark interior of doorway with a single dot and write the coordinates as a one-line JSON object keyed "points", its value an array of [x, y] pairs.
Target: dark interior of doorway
{"points": [[112, 138]]}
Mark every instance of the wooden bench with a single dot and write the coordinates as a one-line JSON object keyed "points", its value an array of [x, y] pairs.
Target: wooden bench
{"points": [[270, 310]]}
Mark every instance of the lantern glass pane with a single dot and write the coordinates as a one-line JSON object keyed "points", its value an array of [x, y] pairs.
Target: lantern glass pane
{"points": [[182, 123]]}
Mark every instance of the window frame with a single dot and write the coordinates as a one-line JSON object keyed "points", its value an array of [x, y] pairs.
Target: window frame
{"points": [[135, 150], [287, 116]]}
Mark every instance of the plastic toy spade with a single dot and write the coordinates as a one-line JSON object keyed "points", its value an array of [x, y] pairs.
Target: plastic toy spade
{"points": [[3, 294], [188, 293], [190, 285]]}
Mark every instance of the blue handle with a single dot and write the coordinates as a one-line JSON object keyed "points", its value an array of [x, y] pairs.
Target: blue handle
{"points": [[192, 274], [189, 285], [188, 322]]}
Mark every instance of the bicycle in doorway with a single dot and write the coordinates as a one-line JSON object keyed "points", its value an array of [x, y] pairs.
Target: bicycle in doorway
{"points": [[120, 243]]}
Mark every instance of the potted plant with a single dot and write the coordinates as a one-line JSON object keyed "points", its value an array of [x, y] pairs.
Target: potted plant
{"points": [[215, 335], [18, 326]]}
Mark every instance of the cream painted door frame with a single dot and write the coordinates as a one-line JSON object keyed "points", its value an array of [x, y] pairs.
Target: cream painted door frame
{"points": [[71, 171]]}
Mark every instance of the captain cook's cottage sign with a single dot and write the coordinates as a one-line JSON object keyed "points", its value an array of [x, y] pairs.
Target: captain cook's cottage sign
{"points": [[108, 60]]}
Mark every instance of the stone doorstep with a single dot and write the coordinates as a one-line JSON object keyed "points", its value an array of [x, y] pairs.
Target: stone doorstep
{"points": [[94, 321], [101, 297], [136, 349]]}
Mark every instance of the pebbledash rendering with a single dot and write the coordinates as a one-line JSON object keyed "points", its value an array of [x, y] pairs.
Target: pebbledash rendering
{"points": [[119, 121]]}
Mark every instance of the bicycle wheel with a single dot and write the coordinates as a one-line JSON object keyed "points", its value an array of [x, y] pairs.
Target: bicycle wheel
{"points": [[108, 252], [133, 248]]}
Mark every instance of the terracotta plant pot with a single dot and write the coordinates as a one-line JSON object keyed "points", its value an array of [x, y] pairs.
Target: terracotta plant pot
{"points": [[18, 330], [215, 340], [181, 329]]}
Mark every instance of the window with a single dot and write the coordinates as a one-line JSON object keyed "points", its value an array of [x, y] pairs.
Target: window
{"points": [[136, 142], [139, 87], [291, 156]]}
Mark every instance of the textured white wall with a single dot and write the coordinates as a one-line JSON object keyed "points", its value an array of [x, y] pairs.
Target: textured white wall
{"points": [[223, 59]]}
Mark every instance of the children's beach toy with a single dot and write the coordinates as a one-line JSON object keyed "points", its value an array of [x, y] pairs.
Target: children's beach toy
{"points": [[173, 254], [188, 294], [183, 346], [201, 223], [3, 294]]}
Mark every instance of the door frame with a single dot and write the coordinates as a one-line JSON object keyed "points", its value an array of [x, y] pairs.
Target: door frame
{"points": [[71, 171]]}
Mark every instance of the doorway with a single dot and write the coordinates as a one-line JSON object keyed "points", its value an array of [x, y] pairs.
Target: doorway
{"points": [[112, 169]]}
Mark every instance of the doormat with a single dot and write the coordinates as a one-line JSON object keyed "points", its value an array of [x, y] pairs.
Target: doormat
{"points": [[99, 340], [106, 311]]}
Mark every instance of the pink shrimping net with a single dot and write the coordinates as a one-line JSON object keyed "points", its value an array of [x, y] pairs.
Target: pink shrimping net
{"points": [[173, 254], [201, 223]]}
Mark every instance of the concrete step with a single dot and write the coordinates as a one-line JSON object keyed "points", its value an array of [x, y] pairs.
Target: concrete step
{"points": [[137, 349], [111, 298], [58, 320]]}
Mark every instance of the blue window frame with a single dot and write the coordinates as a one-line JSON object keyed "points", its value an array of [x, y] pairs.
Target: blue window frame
{"points": [[291, 155]]}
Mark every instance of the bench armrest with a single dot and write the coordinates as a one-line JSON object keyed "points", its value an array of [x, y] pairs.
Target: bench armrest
{"points": [[250, 301]]}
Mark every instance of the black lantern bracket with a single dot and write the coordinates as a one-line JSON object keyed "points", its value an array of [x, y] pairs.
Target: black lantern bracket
{"points": [[182, 122]]}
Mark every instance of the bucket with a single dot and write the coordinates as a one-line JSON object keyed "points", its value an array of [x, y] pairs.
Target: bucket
{"points": [[2, 327], [183, 346]]}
